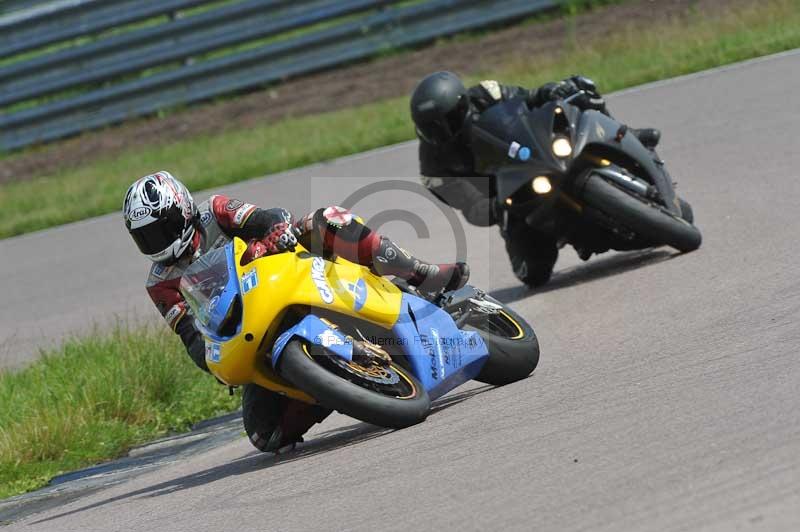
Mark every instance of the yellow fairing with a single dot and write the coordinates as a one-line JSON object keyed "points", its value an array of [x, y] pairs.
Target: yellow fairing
{"points": [[297, 278]]}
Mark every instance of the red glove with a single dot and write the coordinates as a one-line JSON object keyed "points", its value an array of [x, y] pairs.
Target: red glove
{"points": [[280, 238]]}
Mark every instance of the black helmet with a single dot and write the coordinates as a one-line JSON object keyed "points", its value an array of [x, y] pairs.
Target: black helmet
{"points": [[439, 107]]}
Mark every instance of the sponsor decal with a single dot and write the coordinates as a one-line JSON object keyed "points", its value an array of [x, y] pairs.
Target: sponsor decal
{"points": [[359, 291], [427, 346], [518, 151], [233, 204], [213, 352], [206, 218], [249, 281], [329, 339], [320, 281], [140, 213], [212, 304], [437, 347], [159, 270], [174, 313], [241, 214]]}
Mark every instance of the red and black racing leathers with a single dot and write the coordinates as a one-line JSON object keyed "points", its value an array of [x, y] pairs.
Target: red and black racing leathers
{"points": [[272, 421]]}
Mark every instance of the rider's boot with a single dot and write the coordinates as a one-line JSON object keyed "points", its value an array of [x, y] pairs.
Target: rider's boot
{"points": [[274, 423], [649, 137], [391, 259]]}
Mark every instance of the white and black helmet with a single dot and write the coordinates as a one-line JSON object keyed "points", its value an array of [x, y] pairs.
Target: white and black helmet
{"points": [[159, 214]]}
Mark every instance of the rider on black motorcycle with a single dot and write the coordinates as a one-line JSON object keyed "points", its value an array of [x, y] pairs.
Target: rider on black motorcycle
{"points": [[173, 232], [442, 109]]}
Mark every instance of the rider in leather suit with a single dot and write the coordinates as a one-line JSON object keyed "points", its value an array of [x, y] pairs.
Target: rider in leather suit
{"points": [[442, 108], [172, 231]]}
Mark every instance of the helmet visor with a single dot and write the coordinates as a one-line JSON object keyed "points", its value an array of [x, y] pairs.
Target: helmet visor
{"points": [[457, 116], [157, 236], [446, 126]]}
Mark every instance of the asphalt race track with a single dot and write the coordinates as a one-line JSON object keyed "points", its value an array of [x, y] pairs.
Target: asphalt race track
{"points": [[666, 397]]}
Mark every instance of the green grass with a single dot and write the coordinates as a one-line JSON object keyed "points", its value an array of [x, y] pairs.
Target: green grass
{"points": [[95, 398], [631, 57]]}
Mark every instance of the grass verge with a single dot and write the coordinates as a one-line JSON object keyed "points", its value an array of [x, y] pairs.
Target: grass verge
{"points": [[95, 398], [629, 58]]}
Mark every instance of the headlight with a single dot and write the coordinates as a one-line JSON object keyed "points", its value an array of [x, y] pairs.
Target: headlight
{"points": [[541, 185], [562, 147]]}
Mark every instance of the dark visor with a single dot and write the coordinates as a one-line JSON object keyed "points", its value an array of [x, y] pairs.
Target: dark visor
{"points": [[448, 126], [159, 235]]}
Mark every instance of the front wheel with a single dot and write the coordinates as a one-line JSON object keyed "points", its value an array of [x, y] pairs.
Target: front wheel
{"points": [[512, 343], [386, 396], [650, 221]]}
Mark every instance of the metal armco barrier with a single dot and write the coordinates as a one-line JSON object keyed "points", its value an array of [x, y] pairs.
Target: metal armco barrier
{"points": [[225, 48]]}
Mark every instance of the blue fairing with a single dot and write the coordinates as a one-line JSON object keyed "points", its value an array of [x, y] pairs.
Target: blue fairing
{"points": [[316, 332], [441, 355]]}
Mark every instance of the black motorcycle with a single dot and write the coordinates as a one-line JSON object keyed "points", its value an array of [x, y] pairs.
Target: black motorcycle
{"points": [[576, 176]]}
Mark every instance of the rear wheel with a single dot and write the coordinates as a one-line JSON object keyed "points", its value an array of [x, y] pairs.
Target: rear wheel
{"points": [[648, 220], [512, 343], [388, 396]]}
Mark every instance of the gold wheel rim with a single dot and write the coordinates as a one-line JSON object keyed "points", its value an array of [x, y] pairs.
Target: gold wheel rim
{"points": [[520, 330], [361, 369]]}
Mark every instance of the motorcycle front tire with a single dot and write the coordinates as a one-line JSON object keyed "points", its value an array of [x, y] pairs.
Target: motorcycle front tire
{"points": [[513, 347], [337, 393], [649, 221]]}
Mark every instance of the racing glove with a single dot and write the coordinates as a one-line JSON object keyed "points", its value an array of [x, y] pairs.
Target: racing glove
{"points": [[560, 90], [280, 238], [591, 99], [585, 84]]}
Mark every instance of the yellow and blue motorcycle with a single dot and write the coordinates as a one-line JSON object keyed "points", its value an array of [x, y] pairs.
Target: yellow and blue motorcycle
{"points": [[330, 332]]}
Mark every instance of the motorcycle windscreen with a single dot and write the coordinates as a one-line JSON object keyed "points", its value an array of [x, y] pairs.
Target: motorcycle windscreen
{"points": [[441, 355], [211, 289]]}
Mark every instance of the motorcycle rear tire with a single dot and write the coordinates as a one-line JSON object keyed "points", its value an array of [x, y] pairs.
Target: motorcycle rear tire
{"points": [[649, 221], [337, 393]]}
